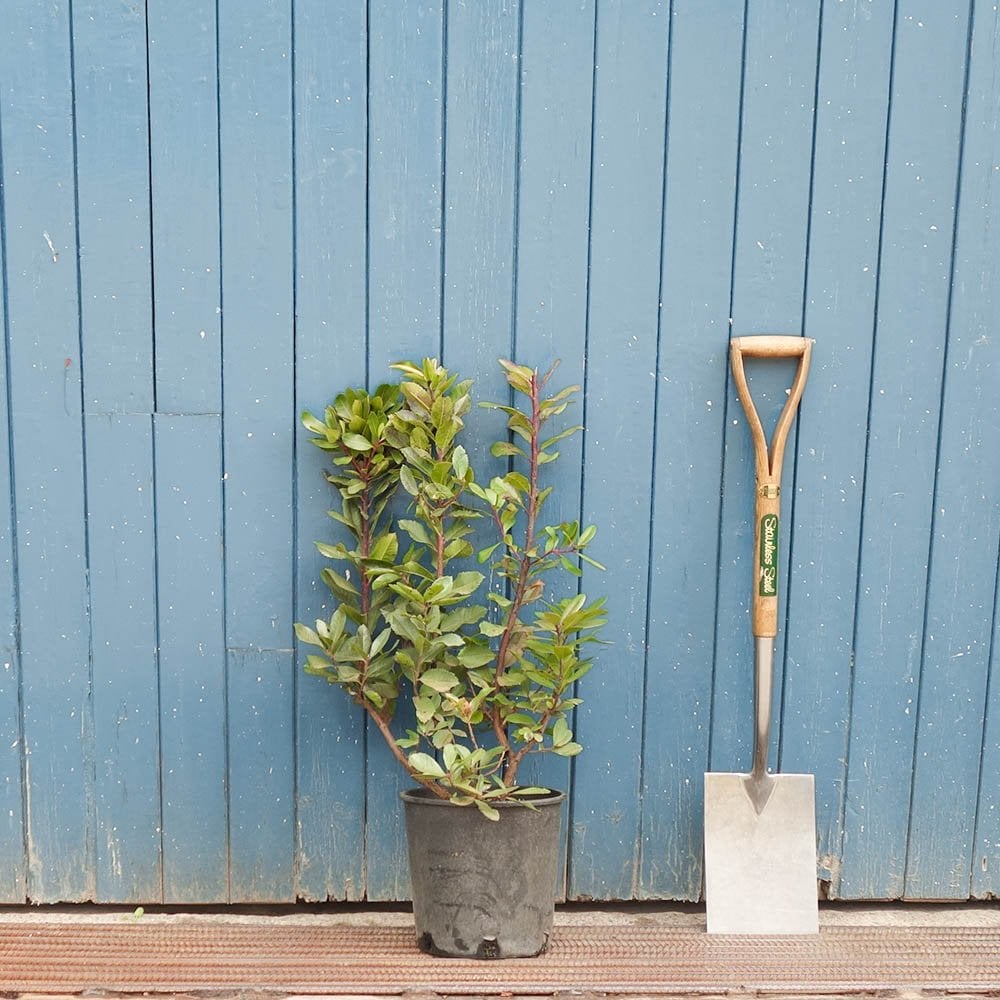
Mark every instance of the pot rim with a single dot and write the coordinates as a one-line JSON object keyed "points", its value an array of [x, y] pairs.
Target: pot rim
{"points": [[425, 797]]}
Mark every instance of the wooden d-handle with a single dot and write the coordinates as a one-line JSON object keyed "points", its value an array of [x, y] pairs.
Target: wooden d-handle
{"points": [[767, 463], [768, 345]]}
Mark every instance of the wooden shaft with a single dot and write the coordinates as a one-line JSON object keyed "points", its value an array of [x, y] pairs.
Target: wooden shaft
{"points": [[768, 460]]}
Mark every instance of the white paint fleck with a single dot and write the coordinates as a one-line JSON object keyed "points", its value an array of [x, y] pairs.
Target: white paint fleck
{"points": [[52, 249]]}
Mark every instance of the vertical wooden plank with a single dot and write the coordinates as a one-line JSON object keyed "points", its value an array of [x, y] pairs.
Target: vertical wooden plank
{"points": [[626, 222], [914, 272], [554, 193], [553, 209], [703, 125], [330, 251], [184, 181], [975, 303], [779, 80], [261, 775], [126, 710], [852, 109], [184, 171], [480, 170], [192, 658], [258, 409], [961, 585], [13, 863], [406, 122], [36, 104], [116, 322], [109, 41], [986, 850]]}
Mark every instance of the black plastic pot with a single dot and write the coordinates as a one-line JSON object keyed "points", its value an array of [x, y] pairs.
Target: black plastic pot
{"points": [[482, 889]]}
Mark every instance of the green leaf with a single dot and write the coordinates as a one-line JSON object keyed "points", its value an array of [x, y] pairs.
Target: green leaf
{"points": [[416, 531], [442, 738], [425, 764], [404, 590], [417, 396], [454, 753], [409, 483], [521, 719], [467, 582], [378, 643], [439, 590], [475, 656], [347, 674], [561, 435], [470, 615], [561, 733], [441, 411], [336, 628], [568, 749], [487, 810], [563, 394], [319, 666], [460, 461], [491, 629], [385, 549], [520, 425], [306, 634], [312, 424], [518, 481], [484, 554], [439, 679], [356, 442], [403, 624], [502, 449], [569, 566], [458, 549], [425, 708], [519, 376], [340, 585], [407, 368], [445, 435], [338, 551]]}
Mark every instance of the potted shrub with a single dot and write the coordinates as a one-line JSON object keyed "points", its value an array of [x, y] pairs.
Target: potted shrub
{"points": [[490, 667]]}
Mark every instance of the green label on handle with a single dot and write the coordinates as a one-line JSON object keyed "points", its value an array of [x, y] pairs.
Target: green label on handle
{"points": [[769, 556]]}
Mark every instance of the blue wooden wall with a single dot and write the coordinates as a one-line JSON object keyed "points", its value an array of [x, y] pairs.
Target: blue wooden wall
{"points": [[217, 213]]}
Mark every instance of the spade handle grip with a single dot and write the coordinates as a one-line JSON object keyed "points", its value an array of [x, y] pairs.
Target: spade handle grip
{"points": [[768, 459]]}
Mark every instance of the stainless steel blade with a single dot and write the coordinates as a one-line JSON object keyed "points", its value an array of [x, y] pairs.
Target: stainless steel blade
{"points": [[760, 867]]}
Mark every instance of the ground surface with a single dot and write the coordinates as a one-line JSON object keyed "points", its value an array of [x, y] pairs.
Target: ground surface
{"points": [[645, 951]]}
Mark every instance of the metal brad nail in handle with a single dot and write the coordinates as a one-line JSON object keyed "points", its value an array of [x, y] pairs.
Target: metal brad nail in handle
{"points": [[767, 515]]}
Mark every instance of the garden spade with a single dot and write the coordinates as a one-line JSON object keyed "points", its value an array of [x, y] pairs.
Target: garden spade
{"points": [[760, 828]]}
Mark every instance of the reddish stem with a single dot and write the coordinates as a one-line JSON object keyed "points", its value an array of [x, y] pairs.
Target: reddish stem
{"points": [[439, 553], [526, 563], [529, 531], [383, 728]]}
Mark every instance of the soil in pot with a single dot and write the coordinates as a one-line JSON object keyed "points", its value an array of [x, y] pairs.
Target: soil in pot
{"points": [[482, 888]]}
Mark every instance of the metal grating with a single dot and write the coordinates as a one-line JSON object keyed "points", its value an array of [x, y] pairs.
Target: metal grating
{"points": [[200, 954]]}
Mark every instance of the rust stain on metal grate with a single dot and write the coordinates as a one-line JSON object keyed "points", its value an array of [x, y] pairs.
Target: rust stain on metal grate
{"points": [[193, 955]]}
